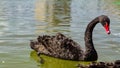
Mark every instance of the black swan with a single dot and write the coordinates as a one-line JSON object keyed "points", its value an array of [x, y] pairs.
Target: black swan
{"points": [[60, 46], [114, 64]]}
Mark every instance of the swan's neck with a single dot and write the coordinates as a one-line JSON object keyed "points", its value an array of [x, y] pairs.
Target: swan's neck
{"points": [[90, 50]]}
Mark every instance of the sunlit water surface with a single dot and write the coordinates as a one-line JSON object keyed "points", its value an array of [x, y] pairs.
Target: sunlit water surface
{"points": [[23, 20]]}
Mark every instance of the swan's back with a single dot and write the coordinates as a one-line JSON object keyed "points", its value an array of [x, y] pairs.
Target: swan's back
{"points": [[58, 46]]}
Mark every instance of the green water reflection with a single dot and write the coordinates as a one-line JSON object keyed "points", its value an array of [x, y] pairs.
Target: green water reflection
{"points": [[117, 2], [50, 62]]}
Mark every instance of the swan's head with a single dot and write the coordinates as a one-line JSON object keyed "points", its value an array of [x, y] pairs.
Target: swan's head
{"points": [[105, 21]]}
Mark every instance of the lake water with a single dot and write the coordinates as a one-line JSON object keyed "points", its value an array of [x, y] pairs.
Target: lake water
{"points": [[23, 20]]}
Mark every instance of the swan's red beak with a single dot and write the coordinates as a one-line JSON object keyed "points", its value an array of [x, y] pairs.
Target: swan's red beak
{"points": [[106, 26]]}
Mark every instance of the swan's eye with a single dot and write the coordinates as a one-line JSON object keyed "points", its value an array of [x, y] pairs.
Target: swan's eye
{"points": [[106, 26]]}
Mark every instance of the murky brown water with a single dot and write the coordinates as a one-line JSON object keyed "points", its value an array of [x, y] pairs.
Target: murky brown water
{"points": [[23, 20]]}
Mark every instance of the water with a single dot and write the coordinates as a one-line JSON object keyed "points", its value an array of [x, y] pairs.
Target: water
{"points": [[23, 20]]}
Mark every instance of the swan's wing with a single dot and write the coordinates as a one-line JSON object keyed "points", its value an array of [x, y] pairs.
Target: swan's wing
{"points": [[58, 46]]}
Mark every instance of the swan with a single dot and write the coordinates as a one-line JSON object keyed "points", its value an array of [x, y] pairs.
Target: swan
{"points": [[113, 64], [60, 46]]}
